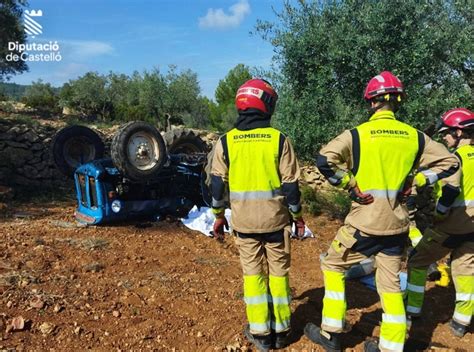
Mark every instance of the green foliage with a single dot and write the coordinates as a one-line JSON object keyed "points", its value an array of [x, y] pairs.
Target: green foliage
{"points": [[12, 91], [328, 51], [42, 97], [87, 95], [224, 113], [11, 30], [336, 204], [152, 96], [227, 87]]}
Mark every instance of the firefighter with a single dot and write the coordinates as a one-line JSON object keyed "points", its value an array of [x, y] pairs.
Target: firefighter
{"points": [[372, 161], [453, 231], [258, 165]]}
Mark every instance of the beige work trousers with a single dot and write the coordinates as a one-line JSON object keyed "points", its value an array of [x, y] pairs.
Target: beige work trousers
{"points": [[434, 246], [340, 257], [257, 256]]}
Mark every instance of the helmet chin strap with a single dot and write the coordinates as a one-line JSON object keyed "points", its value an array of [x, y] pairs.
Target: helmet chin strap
{"points": [[394, 104], [456, 138], [374, 109]]}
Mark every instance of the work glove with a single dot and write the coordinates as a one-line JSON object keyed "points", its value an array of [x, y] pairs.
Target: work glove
{"points": [[299, 227], [440, 214], [359, 197], [420, 180], [219, 224], [405, 193]]}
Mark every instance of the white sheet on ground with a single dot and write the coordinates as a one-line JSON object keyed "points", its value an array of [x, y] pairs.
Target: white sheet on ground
{"points": [[202, 220]]}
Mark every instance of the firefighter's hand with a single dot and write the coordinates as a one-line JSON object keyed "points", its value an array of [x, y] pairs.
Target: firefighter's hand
{"points": [[405, 193], [359, 197], [219, 224], [420, 180], [440, 214], [299, 227]]}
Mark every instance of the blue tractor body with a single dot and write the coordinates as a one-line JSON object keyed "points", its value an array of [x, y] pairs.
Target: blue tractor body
{"points": [[105, 196]]}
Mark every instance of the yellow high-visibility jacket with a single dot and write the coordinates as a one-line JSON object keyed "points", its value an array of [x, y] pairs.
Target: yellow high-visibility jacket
{"points": [[378, 155], [261, 171], [460, 219]]}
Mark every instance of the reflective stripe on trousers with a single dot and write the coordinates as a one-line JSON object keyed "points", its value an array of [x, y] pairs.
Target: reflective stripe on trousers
{"points": [[256, 300], [464, 308], [334, 301], [415, 290], [259, 301], [415, 236], [280, 296], [394, 324]]}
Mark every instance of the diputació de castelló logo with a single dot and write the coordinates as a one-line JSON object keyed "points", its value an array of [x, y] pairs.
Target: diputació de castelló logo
{"points": [[33, 51]]}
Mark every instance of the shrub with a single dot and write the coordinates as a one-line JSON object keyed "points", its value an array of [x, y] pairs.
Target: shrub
{"points": [[335, 203]]}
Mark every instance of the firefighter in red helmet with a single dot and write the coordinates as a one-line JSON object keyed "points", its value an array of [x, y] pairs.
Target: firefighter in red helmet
{"points": [[259, 167], [373, 162], [453, 232]]}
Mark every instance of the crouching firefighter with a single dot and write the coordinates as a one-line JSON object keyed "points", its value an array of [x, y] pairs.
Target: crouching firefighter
{"points": [[258, 165], [453, 230], [372, 161]]}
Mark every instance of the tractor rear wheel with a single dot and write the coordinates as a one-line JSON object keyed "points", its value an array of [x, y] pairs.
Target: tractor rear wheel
{"points": [[138, 151], [75, 145], [184, 141]]}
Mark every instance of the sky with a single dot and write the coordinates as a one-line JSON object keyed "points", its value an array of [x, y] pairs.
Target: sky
{"points": [[209, 37]]}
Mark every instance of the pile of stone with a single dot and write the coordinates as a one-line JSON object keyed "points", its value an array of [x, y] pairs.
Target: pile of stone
{"points": [[25, 158], [311, 176]]}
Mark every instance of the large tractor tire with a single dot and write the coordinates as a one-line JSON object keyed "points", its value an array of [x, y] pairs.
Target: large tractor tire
{"points": [[184, 141], [75, 145], [138, 151]]}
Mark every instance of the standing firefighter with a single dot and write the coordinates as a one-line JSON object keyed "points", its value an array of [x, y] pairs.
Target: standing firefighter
{"points": [[372, 162], [258, 164], [454, 227]]}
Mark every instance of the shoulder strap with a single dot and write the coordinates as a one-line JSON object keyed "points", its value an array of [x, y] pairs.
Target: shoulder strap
{"points": [[355, 150]]}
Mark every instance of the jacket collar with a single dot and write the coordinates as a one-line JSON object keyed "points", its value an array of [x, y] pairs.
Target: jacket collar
{"points": [[250, 120], [463, 142], [384, 114]]}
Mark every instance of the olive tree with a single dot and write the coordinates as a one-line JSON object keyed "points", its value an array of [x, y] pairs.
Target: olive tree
{"points": [[328, 50], [11, 30]]}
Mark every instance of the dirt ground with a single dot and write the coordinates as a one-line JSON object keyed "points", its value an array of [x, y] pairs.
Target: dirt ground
{"points": [[162, 287]]}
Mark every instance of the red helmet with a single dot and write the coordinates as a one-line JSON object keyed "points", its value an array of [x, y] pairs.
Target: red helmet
{"points": [[256, 94], [456, 118], [384, 83]]}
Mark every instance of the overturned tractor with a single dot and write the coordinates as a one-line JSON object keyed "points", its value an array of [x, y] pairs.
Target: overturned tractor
{"points": [[147, 175]]}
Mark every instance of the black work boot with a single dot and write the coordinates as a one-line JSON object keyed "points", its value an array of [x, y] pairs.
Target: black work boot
{"points": [[281, 340], [371, 345], [330, 341], [263, 343], [457, 329]]}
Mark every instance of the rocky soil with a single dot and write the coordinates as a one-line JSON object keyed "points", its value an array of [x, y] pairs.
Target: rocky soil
{"points": [[162, 287]]}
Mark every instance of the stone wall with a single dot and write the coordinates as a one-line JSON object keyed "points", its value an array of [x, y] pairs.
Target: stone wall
{"points": [[25, 158]]}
